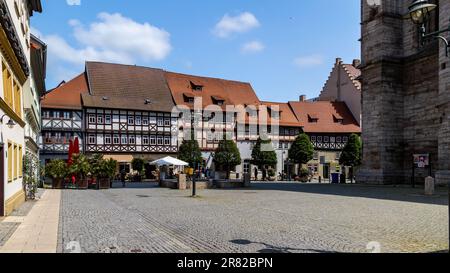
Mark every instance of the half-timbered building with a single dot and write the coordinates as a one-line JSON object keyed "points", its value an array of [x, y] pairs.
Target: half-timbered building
{"points": [[128, 113], [62, 119]]}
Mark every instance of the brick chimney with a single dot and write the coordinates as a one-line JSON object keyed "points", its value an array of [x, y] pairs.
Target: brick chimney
{"points": [[356, 63], [302, 98], [338, 60]]}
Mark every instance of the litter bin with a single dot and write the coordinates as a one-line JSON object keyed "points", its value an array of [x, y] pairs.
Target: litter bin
{"points": [[335, 178]]}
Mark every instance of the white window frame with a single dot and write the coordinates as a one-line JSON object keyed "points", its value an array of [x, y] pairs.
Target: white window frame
{"points": [[145, 140], [138, 121], [92, 119], [116, 139], [152, 140], [108, 140], [132, 140], [130, 120], [92, 139], [100, 119], [108, 119]]}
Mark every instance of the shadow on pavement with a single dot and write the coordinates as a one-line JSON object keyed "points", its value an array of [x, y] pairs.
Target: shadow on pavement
{"points": [[399, 193], [275, 249]]}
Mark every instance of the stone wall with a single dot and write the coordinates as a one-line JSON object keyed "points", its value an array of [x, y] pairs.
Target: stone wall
{"points": [[405, 94]]}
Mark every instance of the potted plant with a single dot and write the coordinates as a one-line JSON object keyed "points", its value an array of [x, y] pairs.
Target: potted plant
{"points": [[81, 168], [303, 175], [57, 170], [272, 175]]}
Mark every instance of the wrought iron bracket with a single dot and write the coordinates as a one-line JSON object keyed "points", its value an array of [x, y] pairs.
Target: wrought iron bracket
{"points": [[435, 35]]}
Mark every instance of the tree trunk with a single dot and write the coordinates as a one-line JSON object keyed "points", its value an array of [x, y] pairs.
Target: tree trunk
{"points": [[351, 175]]}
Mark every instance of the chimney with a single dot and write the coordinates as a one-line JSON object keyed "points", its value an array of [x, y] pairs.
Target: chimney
{"points": [[338, 60], [302, 98], [356, 63]]}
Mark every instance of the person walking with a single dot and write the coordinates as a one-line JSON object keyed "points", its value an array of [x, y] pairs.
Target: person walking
{"points": [[122, 178]]}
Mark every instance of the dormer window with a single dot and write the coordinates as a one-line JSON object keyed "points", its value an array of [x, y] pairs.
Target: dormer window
{"points": [[188, 98], [218, 100], [196, 87], [312, 118], [338, 119]]}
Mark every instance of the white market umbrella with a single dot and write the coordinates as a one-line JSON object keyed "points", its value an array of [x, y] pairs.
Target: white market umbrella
{"points": [[169, 161]]}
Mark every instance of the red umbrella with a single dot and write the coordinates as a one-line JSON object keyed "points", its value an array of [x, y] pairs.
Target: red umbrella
{"points": [[76, 146], [69, 161]]}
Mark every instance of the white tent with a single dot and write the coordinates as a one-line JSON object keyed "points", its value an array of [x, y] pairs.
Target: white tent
{"points": [[169, 161]]}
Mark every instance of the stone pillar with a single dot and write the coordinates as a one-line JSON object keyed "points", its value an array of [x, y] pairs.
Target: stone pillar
{"points": [[182, 182], [247, 180], [382, 96], [443, 173]]}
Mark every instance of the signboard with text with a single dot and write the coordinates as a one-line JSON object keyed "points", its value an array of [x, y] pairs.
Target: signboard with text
{"points": [[421, 160]]}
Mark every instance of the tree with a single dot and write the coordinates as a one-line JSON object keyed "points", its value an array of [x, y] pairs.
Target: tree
{"points": [[352, 154], [302, 150], [138, 165], [263, 153], [189, 152], [227, 156]]}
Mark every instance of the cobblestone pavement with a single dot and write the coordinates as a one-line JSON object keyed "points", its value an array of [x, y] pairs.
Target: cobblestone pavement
{"points": [[8, 228], [283, 217]]}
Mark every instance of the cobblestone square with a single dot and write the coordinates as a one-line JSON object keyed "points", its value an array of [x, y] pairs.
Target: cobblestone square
{"points": [[267, 218]]}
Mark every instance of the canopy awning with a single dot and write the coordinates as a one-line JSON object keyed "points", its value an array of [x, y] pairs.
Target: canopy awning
{"points": [[169, 161]]}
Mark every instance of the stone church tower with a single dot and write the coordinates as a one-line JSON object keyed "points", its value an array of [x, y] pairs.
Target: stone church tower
{"points": [[405, 94]]}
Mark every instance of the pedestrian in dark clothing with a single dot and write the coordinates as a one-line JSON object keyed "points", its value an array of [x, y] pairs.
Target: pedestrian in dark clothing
{"points": [[122, 178], [256, 174]]}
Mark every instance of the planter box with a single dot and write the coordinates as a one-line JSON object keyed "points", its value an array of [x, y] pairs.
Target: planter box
{"points": [[83, 184], [58, 184], [229, 184], [104, 183]]}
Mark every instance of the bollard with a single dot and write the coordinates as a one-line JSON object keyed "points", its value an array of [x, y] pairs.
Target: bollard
{"points": [[429, 186]]}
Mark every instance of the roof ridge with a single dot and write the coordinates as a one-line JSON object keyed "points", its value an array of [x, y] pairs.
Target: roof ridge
{"points": [[206, 77]]}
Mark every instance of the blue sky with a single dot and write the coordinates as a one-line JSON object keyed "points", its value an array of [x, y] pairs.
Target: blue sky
{"points": [[283, 48]]}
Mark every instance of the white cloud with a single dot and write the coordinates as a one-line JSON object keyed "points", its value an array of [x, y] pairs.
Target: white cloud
{"points": [[252, 47], [308, 61], [113, 38], [73, 2], [241, 23]]}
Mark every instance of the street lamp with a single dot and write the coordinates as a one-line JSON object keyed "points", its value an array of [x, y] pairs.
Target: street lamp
{"points": [[10, 123], [419, 13]]}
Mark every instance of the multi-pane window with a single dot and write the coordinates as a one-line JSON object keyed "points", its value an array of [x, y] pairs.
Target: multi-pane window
{"points": [[319, 139], [124, 139], [152, 140], [167, 141], [339, 139], [20, 162], [160, 122], [138, 121], [108, 139], [10, 162], [16, 159], [132, 140], [313, 139], [160, 140], [46, 114], [100, 119], [108, 119], [332, 139], [326, 139], [92, 139], [130, 120], [92, 119], [345, 139], [167, 122], [7, 85], [145, 140], [67, 115], [116, 139], [56, 114], [145, 121]]}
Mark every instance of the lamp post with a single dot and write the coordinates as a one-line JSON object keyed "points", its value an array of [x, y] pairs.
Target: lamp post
{"points": [[419, 13], [194, 186], [10, 123]]}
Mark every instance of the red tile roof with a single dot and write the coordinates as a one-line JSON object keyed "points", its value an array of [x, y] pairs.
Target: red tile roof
{"points": [[287, 116], [326, 113], [67, 95], [231, 92]]}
